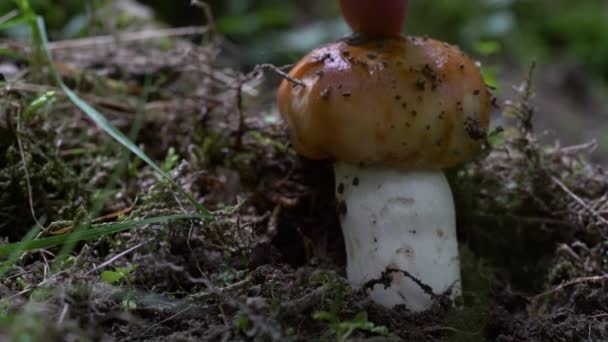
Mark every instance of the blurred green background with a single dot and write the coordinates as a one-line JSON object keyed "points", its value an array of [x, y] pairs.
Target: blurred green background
{"points": [[568, 39], [275, 29]]}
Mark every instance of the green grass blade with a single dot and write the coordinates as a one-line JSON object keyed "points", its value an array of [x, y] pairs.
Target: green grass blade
{"points": [[102, 122], [12, 54], [15, 253], [88, 234], [24, 6], [122, 167], [30, 16], [24, 19]]}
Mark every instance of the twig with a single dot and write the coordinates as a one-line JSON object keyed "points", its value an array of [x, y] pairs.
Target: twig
{"points": [[598, 316], [128, 37], [116, 257], [579, 200], [30, 288], [434, 329], [208, 15], [67, 229], [92, 14], [241, 84], [187, 308], [115, 214], [569, 251], [239, 110], [27, 175], [36, 88], [282, 73], [526, 219], [588, 147], [64, 312], [27, 87], [17, 275], [9, 16], [595, 279], [259, 322], [273, 224], [386, 280], [151, 301], [236, 286], [305, 302]]}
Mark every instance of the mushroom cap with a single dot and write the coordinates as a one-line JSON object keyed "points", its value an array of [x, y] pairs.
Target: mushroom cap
{"points": [[408, 103], [379, 18]]}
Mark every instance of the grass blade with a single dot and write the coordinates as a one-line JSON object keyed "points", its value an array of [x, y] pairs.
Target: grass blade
{"points": [[88, 234], [102, 122], [24, 19], [69, 245], [15, 253]]}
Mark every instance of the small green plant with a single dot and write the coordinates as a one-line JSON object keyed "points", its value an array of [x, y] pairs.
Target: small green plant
{"points": [[119, 274], [170, 161], [13, 250], [24, 326], [343, 329], [42, 101], [334, 298], [231, 276], [242, 325]]}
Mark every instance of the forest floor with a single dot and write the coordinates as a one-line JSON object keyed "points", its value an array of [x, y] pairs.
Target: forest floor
{"points": [[268, 263]]}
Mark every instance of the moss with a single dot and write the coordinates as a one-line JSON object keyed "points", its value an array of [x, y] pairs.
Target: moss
{"points": [[57, 186], [561, 272], [471, 317]]}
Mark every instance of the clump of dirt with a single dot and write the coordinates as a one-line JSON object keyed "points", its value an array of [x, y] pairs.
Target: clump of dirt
{"points": [[269, 264]]}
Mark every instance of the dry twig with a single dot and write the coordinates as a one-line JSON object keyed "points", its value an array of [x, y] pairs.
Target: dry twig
{"points": [[116, 257], [579, 200], [27, 175], [282, 73], [128, 37], [594, 279]]}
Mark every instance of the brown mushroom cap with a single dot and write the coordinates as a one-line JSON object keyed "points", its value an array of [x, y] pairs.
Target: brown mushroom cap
{"points": [[406, 103], [377, 18]]}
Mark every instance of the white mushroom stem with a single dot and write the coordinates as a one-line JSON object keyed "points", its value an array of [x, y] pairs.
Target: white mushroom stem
{"points": [[399, 220]]}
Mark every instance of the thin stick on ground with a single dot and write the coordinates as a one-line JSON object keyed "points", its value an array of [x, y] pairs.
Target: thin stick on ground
{"points": [[63, 314], [187, 308], [239, 109], [9, 16], [116, 257], [594, 279], [236, 286], [579, 200], [589, 147], [128, 37], [385, 280], [28, 183], [208, 15], [242, 82], [282, 73], [30, 288], [259, 321], [306, 302]]}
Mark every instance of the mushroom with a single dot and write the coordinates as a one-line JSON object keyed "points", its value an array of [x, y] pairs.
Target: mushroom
{"points": [[375, 17], [392, 112]]}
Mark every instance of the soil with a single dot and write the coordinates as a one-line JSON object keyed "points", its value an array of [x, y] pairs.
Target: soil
{"points": [[269, 264]]}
